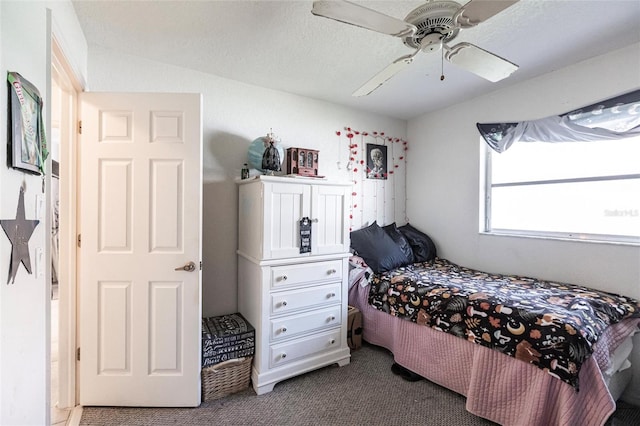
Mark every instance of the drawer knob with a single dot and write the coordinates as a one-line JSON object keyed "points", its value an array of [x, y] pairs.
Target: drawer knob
{"points": [[283, 330], [332, 341], [330, 295], [284, 278], [331, 271], [283, 356], [284, 303], [332, 318]]}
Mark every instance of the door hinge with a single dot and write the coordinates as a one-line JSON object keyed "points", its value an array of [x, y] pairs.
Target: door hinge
{"points": [[80, 126], [77, 354], [79, 240]]}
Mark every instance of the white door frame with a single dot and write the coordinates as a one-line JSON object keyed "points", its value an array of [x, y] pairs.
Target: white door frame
{"points": [[67, 269]]}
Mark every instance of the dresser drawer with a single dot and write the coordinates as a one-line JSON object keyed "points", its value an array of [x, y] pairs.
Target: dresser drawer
{"points": [[283, 302], [298, 274], [293, 325], [290, 351]]}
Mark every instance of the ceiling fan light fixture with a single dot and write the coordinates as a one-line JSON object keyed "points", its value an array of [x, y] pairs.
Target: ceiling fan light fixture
{"points": [[434, 17], [432, 42]]}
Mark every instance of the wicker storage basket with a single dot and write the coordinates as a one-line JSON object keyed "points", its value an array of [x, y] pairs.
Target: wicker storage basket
{"points": [[226, 378]]}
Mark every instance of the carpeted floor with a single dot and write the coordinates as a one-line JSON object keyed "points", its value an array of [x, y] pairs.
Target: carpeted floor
{"points": [[365, 392]]}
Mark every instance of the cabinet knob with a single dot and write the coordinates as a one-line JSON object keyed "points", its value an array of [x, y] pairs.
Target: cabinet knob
{"points": [[284, 278], [283, 330], [332, 318], [332, 341], [331, 271], [283, 356], [284, 303], [330, 295]]}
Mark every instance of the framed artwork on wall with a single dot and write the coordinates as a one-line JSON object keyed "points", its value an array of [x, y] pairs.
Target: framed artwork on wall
{"points": [[27, 145], [376, 161]]}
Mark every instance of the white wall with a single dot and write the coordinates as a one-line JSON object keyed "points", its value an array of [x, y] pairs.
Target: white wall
{"points": [[234, 115], [23, 371], [445, 159], [25, 37]]}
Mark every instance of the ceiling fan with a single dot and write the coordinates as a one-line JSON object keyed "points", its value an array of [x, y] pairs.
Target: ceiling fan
{"points": [[428, 28]]}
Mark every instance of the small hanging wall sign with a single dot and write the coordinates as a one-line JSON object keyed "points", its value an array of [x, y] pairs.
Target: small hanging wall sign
{"points": [[305, 235], [19, 231]]}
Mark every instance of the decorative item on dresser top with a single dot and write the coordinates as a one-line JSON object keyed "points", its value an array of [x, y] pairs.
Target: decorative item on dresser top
{"points": [[294, 294], [302, 161], [266, 154]]}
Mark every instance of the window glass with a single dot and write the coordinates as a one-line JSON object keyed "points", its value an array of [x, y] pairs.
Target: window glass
{"points": [[586, 190], [533, 161]]}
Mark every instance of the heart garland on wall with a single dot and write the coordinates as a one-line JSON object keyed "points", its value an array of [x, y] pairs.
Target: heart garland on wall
{"points": [[360, 168]]}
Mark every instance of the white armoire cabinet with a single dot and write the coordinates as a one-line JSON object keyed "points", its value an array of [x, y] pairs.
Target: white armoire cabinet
{"points": [[296, 301]]}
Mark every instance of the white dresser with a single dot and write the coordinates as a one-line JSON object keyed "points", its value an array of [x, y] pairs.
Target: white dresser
{"points": [[296, 301]]}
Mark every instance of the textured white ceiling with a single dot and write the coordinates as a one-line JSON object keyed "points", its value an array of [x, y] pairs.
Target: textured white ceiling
{"points": [[281, 45]]}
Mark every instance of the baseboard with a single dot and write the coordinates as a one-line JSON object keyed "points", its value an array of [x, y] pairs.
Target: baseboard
{"points": [[76, 415]]}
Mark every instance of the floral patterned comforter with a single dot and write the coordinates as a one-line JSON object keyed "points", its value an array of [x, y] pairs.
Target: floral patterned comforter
{"points": [[551, 325]]}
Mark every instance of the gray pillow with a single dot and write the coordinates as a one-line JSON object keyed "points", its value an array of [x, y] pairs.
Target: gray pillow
{"points": [[377, 248], [423, 247], [401, 241]]}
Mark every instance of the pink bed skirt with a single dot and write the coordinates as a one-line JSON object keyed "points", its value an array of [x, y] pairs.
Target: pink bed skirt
{"points": [[498, 387]]}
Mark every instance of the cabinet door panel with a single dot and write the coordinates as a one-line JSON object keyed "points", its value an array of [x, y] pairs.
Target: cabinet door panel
{"points": [[330, 233], [285, 205]]}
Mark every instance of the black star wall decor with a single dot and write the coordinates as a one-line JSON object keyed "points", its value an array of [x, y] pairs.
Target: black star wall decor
{"points": [[19, 230]]}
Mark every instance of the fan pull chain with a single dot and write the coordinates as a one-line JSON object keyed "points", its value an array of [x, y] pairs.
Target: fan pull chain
{"points": [[442, 65]]}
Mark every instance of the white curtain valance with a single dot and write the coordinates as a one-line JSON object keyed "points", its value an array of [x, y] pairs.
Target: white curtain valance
{"points": [[613, 119]]}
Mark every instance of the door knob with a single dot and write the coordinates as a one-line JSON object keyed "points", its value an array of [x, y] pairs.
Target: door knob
{"points": [[189, 267]]}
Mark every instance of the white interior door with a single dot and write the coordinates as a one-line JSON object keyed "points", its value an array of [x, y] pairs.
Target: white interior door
{"points": [[140, 209]]}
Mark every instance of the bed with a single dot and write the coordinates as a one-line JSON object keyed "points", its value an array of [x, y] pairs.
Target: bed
{"points": [[517, 360]]}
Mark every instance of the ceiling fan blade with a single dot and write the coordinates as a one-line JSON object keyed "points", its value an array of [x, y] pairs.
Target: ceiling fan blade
{"points": [[360, 16], [384, 75], [477, 11], [480, 62]]}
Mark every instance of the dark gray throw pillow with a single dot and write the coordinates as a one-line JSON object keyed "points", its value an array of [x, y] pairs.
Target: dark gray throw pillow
{"points": [[377, 248], [401, 241], [423, 247]]}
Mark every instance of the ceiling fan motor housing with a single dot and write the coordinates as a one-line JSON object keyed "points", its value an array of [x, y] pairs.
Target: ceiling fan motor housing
{"points": [[434, 21]]}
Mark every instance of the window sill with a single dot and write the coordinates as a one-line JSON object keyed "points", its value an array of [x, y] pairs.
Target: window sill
{"points": [[589, 239]]}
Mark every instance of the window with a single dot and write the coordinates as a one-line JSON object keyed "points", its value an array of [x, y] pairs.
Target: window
{"points": [[582, 190]]}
